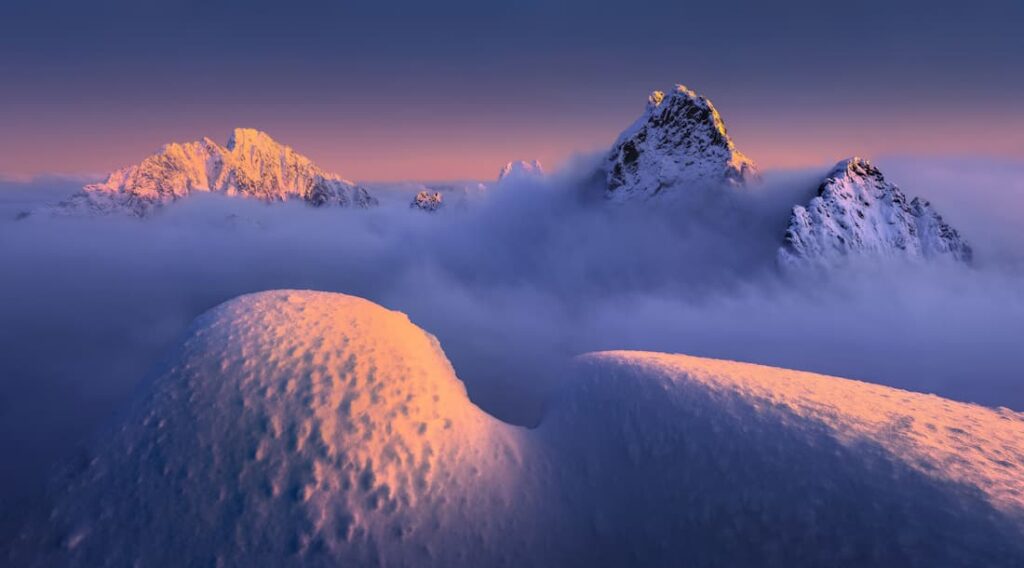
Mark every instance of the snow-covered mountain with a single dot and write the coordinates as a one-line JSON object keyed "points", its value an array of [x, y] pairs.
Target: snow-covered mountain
{"points": [[520, 170], [858, 213], [427, 201], [317, 429], [678, 143], [252, 164]]}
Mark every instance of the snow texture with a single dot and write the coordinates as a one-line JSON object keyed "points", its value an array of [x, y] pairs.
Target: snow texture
{"points": [[427, 201], [252, 165], [295, 427], [734, 464], [858, 213], [316, 429], [520, 171], [679, 143]]}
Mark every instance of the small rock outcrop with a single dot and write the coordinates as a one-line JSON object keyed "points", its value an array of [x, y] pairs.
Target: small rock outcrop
{"points": [[427, 201]]}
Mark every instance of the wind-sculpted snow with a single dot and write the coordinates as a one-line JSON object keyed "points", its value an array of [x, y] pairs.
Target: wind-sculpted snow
{"points": [[857, 212], [746, 465], [680, 143], [252, 165], [308, 428], [295, 427]]}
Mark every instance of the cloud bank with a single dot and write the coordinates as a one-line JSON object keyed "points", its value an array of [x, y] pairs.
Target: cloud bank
{"points": [[514, 282]]}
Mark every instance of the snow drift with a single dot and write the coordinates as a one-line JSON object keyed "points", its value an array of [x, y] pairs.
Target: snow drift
{"points": [[734, 464], [310, 428], [294, 425]]}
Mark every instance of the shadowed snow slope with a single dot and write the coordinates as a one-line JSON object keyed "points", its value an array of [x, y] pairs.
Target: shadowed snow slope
{"points": [[308, 428]]}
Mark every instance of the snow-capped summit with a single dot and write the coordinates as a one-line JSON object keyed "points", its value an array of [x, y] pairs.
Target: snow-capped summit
{"points": [[427, 201], [858, 212], [252, 164], [520, 170], [679, 141]]}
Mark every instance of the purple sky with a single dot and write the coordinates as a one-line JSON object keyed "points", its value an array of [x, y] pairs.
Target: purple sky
{"points": [[453, 89]]}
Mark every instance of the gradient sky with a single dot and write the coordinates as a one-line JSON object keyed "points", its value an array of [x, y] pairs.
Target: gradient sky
{"points": [[451, 89]]}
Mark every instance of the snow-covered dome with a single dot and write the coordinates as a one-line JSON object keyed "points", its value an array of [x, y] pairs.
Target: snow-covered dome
{"points": [[317, 429], [296, 427]]}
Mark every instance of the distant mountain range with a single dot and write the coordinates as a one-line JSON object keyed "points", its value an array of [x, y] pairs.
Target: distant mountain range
{"points": [[677, 147], [252, 164]]}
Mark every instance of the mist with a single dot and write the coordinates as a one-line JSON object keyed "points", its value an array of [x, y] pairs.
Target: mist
{"points": [[514, 282]]}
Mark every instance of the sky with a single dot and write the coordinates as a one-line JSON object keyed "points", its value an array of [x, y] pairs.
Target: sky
{"points": [[452, 89]]}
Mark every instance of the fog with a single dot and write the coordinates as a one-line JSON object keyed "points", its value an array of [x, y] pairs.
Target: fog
{"points": [[514, 281]]}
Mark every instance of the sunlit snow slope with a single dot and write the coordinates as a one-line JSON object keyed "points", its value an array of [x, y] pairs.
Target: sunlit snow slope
{"points": [[317, 429], [295, 427], [252, 164], [734, 464]]}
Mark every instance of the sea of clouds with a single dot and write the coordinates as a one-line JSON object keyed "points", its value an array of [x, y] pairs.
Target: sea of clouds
{"points": [[514, 281]]}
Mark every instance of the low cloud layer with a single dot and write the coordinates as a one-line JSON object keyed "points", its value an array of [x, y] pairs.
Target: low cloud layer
{"points": [[513, 282]]}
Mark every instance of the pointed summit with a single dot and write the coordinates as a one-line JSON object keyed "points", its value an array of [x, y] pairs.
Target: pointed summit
{"points": [[520, 170], [679, 141], [249, 137], [252, 164], [857, 212]]}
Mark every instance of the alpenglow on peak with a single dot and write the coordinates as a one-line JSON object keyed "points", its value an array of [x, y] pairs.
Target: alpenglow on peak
{"points": [[521, 170], [678, 143], [251, 164]]}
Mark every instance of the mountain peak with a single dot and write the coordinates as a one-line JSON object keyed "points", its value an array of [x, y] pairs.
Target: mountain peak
{"points": [[520, 170], [252, 164], [244, 137], [679, 141], [856, 166], [857, 212], [655, 98]]}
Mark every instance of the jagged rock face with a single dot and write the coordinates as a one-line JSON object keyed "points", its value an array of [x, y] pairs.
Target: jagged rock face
{"points": [[520, 170], [252, 164], [858, 213], [427, 201], [679, 142]]}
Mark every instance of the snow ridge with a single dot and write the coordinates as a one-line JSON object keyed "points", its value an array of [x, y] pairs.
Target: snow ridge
{"points": [[318, 429], [679, 141], [252, 164], [857, 212]]}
